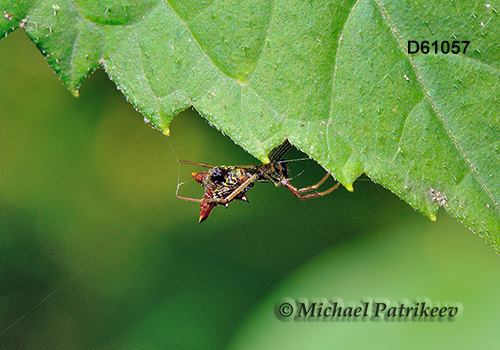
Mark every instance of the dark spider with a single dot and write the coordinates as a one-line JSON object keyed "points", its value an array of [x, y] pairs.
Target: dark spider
{"points": [[223, 184]]}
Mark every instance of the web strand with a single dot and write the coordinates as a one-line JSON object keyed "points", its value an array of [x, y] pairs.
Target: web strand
{"points": [[83, 269], [179, 183], [95, 259]]}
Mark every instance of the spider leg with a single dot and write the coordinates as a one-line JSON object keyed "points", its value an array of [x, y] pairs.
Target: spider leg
{"points": [[205, 165], [226, 200], [200, 200], [313, 187], [240, 188], [207, 203], [299, 192]]}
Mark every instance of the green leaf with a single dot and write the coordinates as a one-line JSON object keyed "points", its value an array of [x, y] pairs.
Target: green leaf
{"points": [[335, 77]]}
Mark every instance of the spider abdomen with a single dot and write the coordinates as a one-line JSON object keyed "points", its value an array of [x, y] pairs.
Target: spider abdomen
{"points": [[223, 180]]}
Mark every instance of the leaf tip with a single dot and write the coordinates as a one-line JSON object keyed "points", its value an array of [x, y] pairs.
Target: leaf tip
{"points": [[433, 217], [349, 188], [75, 93]]}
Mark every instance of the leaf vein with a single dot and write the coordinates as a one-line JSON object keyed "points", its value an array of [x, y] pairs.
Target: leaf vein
{"points": [[385, 15], [339, 41], [273, 7], [196, 40], [407, 116], [334, 73]]}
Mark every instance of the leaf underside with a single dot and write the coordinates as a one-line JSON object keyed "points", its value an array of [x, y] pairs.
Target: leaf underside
{"points": [[334, 77]]}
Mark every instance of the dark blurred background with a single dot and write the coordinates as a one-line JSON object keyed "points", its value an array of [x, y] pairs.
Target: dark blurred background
{"points": [[97, 253]]}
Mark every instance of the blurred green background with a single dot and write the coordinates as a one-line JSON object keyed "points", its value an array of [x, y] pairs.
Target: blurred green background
{"points": [[93, 236]]}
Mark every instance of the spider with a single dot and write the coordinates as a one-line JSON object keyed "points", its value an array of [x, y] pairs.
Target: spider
{"points": [[223, 184]]}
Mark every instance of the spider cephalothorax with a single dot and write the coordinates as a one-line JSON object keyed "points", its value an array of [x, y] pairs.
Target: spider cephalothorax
{"points": [[223, 184]]}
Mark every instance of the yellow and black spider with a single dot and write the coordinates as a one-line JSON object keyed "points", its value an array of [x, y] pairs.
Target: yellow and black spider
{"points": [[223, 184]]}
